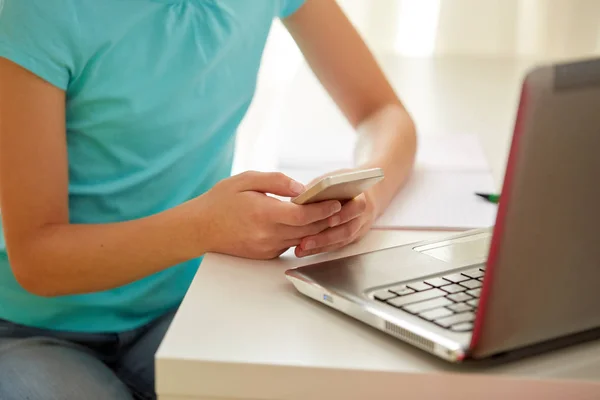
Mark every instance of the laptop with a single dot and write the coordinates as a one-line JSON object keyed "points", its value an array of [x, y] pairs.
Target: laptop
{"points": [[532, 281]]}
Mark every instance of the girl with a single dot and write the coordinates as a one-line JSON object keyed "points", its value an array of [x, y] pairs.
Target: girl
{"points": [[117, 124]]}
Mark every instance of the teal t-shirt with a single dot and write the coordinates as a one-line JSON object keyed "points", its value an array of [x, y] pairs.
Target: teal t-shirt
{"points": [[155, 92]]}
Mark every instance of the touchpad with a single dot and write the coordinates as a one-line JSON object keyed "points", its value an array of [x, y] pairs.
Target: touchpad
{"points": [[467, 250]]}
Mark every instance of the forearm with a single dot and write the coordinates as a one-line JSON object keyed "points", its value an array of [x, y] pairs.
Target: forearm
{"points": [[63, 259], [347, 69], [387, 139]]}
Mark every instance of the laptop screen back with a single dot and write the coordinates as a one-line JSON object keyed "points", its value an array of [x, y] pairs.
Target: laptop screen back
{"points": [[542, 279]]}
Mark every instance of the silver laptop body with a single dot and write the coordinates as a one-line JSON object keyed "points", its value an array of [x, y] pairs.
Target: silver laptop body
{"points": [[532, 279]]}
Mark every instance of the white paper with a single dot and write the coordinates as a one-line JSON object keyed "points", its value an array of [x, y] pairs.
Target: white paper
{"points": [[442, 200], [440, 194], [451, 152], [431, 200]]}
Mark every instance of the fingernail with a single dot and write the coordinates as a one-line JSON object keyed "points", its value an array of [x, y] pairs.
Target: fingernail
{"points": [[336, 208], [309, 245], [334, 221], [296, 187]]}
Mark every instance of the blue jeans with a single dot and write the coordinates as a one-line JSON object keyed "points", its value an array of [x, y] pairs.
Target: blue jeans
{"points": [[38, 364]]}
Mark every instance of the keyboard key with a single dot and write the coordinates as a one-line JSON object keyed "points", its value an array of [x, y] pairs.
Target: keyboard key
{"points": [[459, 297], [462, 327], [460, 307], [467, 316], [474, 292], [472, 284], [384, 295], [427, 305], [419, 286], [456, 278], [436, 282], [416, 297], [474, 302], [436, 313], [453, 288], [474, 273], [401, 290]]}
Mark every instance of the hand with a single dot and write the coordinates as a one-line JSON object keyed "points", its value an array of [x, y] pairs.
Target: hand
{"points": [[244, 221], [348, 226]]}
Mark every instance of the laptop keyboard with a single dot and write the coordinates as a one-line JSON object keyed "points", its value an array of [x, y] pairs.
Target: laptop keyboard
{"points": [[449, 301]]}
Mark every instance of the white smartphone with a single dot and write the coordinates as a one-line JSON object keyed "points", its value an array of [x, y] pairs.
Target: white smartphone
{"points": [[343, 187]]}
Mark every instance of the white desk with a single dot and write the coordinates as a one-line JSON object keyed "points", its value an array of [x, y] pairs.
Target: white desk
{"points": [[243, 332]]}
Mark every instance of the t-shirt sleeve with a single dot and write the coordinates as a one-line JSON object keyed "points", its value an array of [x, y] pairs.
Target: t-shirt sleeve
{"points": [[37, 36], [288, 7]]}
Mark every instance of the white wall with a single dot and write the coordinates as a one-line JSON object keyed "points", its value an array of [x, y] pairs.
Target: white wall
{"points": [[536, 28]]}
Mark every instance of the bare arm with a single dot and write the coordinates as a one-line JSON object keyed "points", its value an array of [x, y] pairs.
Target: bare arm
{"points": [[349, 72], [51, 257], [48, 255]]}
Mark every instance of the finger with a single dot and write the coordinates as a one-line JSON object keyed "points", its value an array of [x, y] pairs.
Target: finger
{"points": [[301, 215], [305, 253], [339, 234], [292, 243], [351, 210], [300, 232], [268, 182]]}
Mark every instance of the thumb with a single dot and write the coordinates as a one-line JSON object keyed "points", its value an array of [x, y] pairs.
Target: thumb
{"points": [[269, 182]]}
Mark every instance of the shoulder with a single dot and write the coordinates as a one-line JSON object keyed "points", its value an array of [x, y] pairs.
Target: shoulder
{"points": [[40, 35]]}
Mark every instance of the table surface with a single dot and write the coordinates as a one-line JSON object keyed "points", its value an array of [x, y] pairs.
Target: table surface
{"points": [[244, 332]]}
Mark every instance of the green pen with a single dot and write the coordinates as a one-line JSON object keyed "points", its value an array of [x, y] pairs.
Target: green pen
{"points": [[492, 198]]}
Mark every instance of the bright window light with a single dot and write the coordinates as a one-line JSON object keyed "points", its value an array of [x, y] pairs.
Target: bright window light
{"points": [[417, 27]]}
